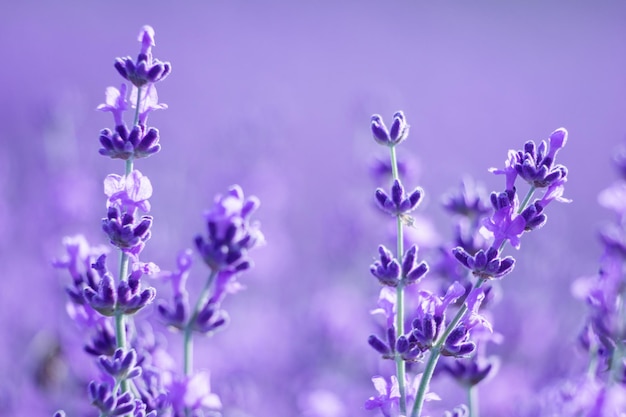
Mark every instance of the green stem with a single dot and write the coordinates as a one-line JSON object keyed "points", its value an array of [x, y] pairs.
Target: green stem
{"points": [[188, 339], [400, 364], [526, 199], [472, 400], [136, 118], [120, 321]]}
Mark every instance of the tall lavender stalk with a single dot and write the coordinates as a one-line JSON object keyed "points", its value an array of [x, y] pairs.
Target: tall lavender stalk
{"points": [[136, 375], [431, 335]]}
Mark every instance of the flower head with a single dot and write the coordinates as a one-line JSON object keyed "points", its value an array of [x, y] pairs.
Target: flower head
{"points": [[230, 233], [399, 129], [145, 69]]}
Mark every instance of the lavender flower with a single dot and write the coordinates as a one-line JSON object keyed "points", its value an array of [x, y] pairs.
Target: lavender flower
{"points": [[400, 202], [145, 69], [122, 365], [125, 144], [483, 264], [399, 129], [230, 233]]}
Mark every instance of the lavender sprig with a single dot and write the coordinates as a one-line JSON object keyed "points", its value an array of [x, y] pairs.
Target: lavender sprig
{"points": [[230, 236], [396, 272], [97, 295], [536, 166]]}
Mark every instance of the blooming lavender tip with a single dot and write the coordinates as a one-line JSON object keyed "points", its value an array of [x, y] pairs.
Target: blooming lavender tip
{"points": [[483, 264], [230, 233], [145, 69], [122, 365], [535, 163], [399, 202], [387, 269], [399, 129]]}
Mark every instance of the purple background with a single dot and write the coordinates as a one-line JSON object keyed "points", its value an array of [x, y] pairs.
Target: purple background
{"points": [[276, 96]]}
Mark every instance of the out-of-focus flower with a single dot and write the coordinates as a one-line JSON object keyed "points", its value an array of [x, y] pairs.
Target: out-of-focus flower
{"points": [[192, 393], [230, 233]]}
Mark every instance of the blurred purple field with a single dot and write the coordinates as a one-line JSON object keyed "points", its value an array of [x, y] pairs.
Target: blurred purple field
{"points": [[277, 96]]}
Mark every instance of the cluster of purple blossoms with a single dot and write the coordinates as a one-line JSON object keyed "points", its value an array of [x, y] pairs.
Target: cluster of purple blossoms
{"points": [[137, 376], [452, 325]]}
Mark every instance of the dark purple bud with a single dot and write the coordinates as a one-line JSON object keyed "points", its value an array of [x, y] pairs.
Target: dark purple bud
{"points": [[416, 274], [155, 73], [402, 345], [465, 349], [415, 197], [408, 263], [122, 365], [378, 345], [456, 336], [143, 227], [379, 130], [529, 148], [399, 129], [397, 192], [506, 266], [462, 256], [428, 325], [480, 260], [120, 66]]}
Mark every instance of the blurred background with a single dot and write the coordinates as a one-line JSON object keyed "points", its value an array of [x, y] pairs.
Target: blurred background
{"points": [[277, 96]]}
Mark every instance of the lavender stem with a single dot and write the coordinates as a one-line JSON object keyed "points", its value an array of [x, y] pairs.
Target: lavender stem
{"points": [[472, 400], [400, 364], [188, 340]]}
